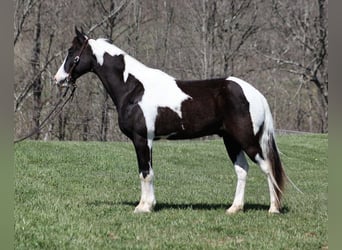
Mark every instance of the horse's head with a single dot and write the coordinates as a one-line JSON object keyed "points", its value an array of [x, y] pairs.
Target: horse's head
{"points": [[77, 62]]}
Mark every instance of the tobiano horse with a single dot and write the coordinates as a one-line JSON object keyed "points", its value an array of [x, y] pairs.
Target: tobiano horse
{"points": [[152, 105]]}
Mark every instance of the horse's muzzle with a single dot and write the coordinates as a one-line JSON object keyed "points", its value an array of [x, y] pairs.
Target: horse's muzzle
{"points": [[65, 83]]}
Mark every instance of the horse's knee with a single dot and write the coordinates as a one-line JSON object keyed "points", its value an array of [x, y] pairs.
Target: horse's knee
{"points": [[241, 166]]}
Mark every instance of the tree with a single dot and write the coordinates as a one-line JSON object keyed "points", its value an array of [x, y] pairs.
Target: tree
{"points": [[304, 27], [35, 64], [278, 46]]}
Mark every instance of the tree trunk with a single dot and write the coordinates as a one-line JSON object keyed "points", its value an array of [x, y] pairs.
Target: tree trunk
{"points": [[85, 125], [62, 121], [104, 117], [105, 104], [35, 63]]}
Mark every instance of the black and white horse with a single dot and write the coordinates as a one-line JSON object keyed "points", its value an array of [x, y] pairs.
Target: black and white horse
{"points": [[152, 105]]}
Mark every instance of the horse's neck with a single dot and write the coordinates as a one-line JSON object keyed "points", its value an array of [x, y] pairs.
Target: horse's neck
{"points": [[115, 81], [112, 81]]}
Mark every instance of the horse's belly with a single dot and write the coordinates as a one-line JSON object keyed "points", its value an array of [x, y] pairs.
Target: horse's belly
{"points": [[194, 122]]}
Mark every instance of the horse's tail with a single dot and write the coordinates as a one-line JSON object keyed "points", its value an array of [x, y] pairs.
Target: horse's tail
{"points": [[271, 154]]}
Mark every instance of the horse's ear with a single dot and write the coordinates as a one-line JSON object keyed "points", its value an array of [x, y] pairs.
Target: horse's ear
{"points": [[80, 35]]}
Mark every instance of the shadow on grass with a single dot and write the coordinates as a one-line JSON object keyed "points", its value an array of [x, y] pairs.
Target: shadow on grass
{"points": [[192, 206], [207, 206]]}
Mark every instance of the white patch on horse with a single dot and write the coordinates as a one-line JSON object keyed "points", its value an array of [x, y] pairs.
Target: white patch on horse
{"points": [[61, 75], [147, 200], [160, 89], [101, 46], [256, 102], [183, 128]]}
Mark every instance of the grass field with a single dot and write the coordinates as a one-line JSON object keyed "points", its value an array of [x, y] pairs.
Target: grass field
{"points": [[77, 195]]}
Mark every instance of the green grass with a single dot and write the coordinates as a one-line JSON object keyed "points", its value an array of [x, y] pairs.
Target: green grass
{"points": [[76, 195]]}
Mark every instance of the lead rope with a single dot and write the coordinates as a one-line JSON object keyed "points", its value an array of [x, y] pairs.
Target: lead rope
{"points": [[44, 122], [71, 82]]}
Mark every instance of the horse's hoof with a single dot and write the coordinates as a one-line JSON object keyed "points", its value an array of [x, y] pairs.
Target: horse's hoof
{"points": [[143, 208], [273, 210], [139, 210], [234, 209]]}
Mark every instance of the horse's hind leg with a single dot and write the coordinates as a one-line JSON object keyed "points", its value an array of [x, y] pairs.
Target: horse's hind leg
{"points": [[265, 166], [241, 169]]}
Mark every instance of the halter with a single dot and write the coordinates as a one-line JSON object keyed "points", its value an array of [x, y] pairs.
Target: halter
{"points": [[60, 104], [76, 61]]}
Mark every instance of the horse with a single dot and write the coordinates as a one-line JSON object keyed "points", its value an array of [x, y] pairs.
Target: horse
{"points": [[152, 105]]}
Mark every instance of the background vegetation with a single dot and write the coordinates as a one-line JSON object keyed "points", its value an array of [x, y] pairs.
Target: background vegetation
{"points": [[75, 195], [278, 46]]}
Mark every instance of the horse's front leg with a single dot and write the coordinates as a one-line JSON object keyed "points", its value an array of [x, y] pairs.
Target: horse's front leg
{"points": [[143, 148]]}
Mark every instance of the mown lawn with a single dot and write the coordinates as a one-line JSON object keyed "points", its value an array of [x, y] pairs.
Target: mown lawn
{"points": [[77, 195]]}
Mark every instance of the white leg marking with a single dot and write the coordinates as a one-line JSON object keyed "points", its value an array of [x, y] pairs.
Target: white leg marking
{"points": [[147, 200], [273, 197], [265, 167], [241, 170]]}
